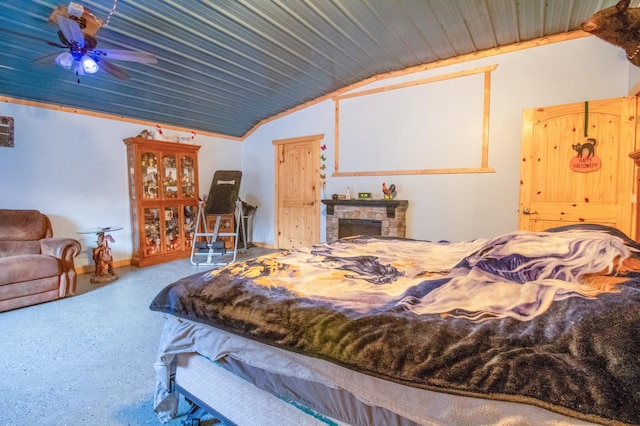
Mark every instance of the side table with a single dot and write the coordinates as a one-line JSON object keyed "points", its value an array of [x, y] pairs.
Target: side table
{"points": [[102, 254]]}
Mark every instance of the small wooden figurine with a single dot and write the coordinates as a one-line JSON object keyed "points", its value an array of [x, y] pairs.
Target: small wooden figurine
{"points": [[103, 258]]}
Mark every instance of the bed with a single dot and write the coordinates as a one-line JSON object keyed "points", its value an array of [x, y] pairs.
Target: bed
{"points": [[523, 328]]}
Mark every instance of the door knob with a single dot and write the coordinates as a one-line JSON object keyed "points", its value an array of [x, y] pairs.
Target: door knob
{"points": [[527, 211]]}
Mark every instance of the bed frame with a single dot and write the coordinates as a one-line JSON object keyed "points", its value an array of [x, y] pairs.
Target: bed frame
{"points": [[194, 377]]}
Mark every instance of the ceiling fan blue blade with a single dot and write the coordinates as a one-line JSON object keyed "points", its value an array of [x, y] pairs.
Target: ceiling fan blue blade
{"points": [[127, 55], [71, 30]]}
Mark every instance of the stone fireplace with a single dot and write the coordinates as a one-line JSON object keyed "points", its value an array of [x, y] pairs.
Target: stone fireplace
{"points": [[366, 217]]}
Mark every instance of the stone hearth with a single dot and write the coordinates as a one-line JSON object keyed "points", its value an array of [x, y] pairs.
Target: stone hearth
{"points": [[392, 214]]}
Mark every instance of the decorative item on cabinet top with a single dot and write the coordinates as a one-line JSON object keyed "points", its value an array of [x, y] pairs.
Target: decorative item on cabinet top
{"points": [[163, 187]]}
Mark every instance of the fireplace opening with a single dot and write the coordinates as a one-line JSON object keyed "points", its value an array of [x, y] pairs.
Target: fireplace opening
{"points": [[351, 227]]}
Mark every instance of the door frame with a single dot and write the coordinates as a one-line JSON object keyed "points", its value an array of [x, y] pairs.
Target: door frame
{"points": [[627, 185], [317, 138]]}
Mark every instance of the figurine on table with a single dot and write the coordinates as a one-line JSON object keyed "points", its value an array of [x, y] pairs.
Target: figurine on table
{"points": [[102, 256]]}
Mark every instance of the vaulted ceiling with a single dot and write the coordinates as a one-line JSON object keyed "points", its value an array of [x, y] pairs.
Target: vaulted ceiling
{"points": [[224, 66]]}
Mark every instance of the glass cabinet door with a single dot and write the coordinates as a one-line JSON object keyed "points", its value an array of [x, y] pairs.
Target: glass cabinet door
{"points": [[149, 169], [187, 177], [170, 177], [152, 243], [190, 215], [172, 229]]}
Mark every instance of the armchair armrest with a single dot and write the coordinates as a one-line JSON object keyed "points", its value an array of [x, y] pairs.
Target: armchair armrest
{"points": [[62, 248]]}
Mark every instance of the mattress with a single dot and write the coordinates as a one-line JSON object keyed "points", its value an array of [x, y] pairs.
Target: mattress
{"points": [[189, 348], [195, 375]]}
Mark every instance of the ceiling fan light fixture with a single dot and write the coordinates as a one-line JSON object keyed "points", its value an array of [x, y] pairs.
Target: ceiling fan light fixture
{"points": [[65, 60], [89, 65]]}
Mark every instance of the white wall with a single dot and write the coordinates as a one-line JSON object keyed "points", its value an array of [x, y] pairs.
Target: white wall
{"points": [[454, 206], [74, 169]]}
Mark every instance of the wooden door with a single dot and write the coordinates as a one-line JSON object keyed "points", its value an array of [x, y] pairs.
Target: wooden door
{"points": [[561, 183], [297, 191]]}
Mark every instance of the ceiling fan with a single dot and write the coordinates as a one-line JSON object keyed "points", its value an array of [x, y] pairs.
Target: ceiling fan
{"points": [[77, 31]]}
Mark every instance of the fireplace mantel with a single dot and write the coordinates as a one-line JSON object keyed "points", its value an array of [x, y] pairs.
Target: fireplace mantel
{"points": [[390, 205]]}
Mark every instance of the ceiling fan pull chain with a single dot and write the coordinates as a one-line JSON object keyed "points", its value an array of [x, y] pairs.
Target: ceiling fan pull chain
{"points": [[113, 9]]}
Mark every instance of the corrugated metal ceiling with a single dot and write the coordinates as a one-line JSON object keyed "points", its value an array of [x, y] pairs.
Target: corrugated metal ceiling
{"points": [[226, 65]]}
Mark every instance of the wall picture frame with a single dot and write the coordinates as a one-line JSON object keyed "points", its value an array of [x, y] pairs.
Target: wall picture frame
{"points": [[6, 132]]}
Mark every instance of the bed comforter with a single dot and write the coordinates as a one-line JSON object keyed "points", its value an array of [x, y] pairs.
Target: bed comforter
{"points": [[549, 319]]}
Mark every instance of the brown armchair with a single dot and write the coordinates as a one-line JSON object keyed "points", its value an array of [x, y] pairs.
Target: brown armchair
{"points": [[34, 266]]}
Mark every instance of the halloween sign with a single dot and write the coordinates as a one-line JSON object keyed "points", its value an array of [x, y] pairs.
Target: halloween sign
{"points": [[586, 159]]}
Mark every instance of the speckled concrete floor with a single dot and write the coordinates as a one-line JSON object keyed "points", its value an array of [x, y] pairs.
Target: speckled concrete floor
{"points": [[88, 359]]}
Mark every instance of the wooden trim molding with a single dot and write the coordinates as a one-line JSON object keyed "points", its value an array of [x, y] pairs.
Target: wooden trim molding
{"points": [[483, 167], [542, 41], [418, 82], [417, 172], [309, 138], [79, 111], [90, 269]]}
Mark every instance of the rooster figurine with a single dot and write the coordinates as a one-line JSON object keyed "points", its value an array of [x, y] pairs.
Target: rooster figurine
{"points": [[389, 192]]}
